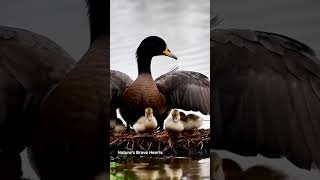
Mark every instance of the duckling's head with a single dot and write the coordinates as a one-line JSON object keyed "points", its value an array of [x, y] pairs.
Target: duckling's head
{"points": [[149, 113], [153, 46], [175, 115]]}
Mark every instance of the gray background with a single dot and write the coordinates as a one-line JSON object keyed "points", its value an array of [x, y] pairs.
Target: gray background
{"points": [[294, 18], [65, 22]]}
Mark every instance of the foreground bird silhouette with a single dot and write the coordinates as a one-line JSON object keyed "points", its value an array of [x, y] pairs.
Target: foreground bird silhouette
{"points": [[72, 133], [266, 95], [30, 66]]}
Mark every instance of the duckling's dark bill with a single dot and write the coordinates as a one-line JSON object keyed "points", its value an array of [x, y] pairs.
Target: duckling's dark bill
{"points": [[168, 53]]}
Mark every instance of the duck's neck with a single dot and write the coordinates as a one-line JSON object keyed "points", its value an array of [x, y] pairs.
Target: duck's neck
{"points": [[97, 53], [144, 65], [99, 18]]}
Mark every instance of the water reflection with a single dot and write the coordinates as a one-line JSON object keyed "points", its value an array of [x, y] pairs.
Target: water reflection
{"points": [[183, 24], [160, 169]]}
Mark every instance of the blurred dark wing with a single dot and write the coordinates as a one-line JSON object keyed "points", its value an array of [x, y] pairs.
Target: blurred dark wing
{"points": [[34, 60], [266, 96], [186, 90], [29, 65], [118, 83]]}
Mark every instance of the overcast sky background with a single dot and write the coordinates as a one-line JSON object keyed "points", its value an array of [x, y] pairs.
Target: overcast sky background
{"points": [[183, 24]]}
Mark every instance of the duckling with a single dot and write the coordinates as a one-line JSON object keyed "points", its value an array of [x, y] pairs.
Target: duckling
{"points": [[183, 116], [173, 124], [192, 122], [146, 123], [139, 126], [116, 127], [146, 173]]}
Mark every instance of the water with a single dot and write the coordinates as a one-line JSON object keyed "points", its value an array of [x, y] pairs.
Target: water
{"points": [[274, 16], [161, 169]]}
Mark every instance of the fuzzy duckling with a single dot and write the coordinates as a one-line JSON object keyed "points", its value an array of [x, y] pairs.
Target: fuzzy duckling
{"points": [[146, 123], [116, 126], [192, 122], [173, 124]]}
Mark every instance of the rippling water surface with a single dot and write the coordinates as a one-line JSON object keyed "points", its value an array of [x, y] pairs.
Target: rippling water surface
{"points": [[161, 169]]}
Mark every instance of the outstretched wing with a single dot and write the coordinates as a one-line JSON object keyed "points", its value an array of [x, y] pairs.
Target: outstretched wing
{"points": [[266, 96], [186, 90], [118, 83]]}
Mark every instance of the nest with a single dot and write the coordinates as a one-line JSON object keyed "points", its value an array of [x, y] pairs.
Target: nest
{"points": [[161, 144]]}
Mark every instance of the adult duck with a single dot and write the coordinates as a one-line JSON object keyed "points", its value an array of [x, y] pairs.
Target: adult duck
{"points": [[72, 141], [177, 89], [30, 65], [266, 95]]}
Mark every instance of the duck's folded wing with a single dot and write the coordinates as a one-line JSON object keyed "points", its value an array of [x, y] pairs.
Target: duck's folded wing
{"points": [[118, 83], [186, 90], [266, 96]]}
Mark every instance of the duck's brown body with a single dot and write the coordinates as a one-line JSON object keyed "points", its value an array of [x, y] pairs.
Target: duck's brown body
{"points": [[181, 89], [141, 94]]}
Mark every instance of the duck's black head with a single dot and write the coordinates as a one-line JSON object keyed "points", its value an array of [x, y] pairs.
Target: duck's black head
{"points": [[148, 48]]}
